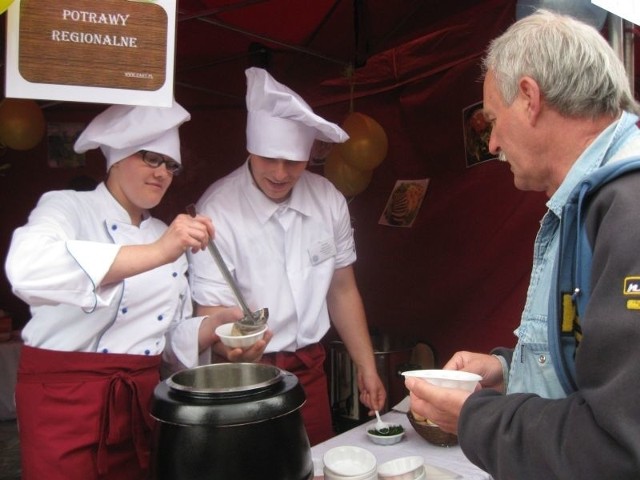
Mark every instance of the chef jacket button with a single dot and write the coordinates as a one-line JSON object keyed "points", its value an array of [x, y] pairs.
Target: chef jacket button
{"points": [[147, 352], [114, 227], [160, 317], [314, 258], [125, 310], [542, 359], [174, 274], [105, 350]]}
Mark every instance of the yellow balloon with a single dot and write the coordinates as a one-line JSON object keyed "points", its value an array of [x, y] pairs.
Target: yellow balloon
{"points": [[367, 145], [22, 123], [4, 4], [348, 180]]}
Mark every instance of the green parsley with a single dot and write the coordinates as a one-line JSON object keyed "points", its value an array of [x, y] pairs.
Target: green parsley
{"points": [[393, 430]]}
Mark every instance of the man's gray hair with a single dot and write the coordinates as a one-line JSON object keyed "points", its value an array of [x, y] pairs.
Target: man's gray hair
{"points": [[579, 74]]}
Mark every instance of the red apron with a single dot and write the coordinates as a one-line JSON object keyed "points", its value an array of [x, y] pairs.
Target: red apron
{"points": [[308, 365], [84, 416]]}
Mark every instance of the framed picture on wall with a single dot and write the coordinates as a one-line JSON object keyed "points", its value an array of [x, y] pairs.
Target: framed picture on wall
{"points": [[60, 140], [476, 135], [404, 203]]}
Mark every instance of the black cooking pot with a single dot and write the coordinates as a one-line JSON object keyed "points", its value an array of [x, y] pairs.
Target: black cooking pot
{"points": [[230, 421]]}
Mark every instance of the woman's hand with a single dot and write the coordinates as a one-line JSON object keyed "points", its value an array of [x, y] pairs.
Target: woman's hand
{"points": [[184, 233]]}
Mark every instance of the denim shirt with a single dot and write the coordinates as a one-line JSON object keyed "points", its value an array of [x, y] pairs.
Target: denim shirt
{"points": [[531, 368]]}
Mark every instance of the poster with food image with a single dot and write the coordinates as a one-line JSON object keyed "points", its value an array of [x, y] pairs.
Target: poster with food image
{"points": [[477, 131], [404, 203]]}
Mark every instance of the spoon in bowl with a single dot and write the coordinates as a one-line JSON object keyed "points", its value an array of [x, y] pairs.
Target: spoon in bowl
{"points": [[381, 426]]}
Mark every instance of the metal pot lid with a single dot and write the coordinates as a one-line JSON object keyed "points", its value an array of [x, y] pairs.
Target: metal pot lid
{"points": [[225, 379]]}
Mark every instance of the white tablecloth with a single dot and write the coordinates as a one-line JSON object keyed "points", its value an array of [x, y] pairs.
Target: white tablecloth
{"points": [[442, 462], [9, 356]]}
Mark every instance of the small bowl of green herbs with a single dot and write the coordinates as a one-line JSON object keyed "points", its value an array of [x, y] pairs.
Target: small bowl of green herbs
{"points": [[386, 436]]}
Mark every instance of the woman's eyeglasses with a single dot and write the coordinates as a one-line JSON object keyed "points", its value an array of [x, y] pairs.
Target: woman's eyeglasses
{"points": [[154, 160]]}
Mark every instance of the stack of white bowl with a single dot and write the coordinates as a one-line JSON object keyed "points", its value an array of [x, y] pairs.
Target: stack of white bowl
{"points": [[349, 463]]}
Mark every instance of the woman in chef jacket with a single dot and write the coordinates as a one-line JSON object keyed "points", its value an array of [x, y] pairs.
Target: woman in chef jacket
{"points": [[110, 304]]}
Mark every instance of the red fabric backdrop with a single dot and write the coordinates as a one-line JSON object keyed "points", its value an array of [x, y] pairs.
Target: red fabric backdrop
{"points": [[457, 278]]}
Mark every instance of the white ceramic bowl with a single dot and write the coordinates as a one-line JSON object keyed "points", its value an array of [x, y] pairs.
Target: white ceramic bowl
{"points": [[329, 475], [238, 341], [354, 463], [384, 439], [404, 468], [447, 378]]}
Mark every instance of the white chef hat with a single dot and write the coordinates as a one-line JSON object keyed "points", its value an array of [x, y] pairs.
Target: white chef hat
{"points": [[122, 130], [280, 124]]}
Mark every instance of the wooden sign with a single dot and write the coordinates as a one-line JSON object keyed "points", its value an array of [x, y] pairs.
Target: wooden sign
{"points": [[105, 51]]}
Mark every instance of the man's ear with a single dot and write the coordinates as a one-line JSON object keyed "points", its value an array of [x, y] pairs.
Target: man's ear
{"points": [[529, 91]]}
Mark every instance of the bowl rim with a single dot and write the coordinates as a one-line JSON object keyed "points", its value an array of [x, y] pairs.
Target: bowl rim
{"points": [[385, 440], [228, 326], [417, 458], [443, 374], [362, 452], [176, 383], [373, 435]]}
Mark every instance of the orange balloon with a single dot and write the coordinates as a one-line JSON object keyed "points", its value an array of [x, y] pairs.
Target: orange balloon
{"points": [[22, 123], [350, 181], [367, 145]]}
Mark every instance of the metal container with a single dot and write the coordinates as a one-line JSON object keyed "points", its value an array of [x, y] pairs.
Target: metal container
{"points": [[230, 421], [392, 356]]}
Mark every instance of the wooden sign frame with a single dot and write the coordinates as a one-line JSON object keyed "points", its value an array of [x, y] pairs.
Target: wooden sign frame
{"points": [[98, 51]]}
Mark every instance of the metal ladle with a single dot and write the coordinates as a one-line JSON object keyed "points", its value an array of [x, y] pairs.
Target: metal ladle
{"points": [[252, 321]]}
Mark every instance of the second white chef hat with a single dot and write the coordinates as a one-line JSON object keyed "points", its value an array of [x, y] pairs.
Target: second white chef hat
{"points": [[280, 124]]}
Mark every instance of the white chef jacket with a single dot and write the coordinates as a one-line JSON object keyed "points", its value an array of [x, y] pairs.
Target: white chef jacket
{"points": [[57, 261], [282, 255]]}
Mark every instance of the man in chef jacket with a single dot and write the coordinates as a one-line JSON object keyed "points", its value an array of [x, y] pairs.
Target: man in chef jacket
{"points": [[110, 304], [286, 235]]}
